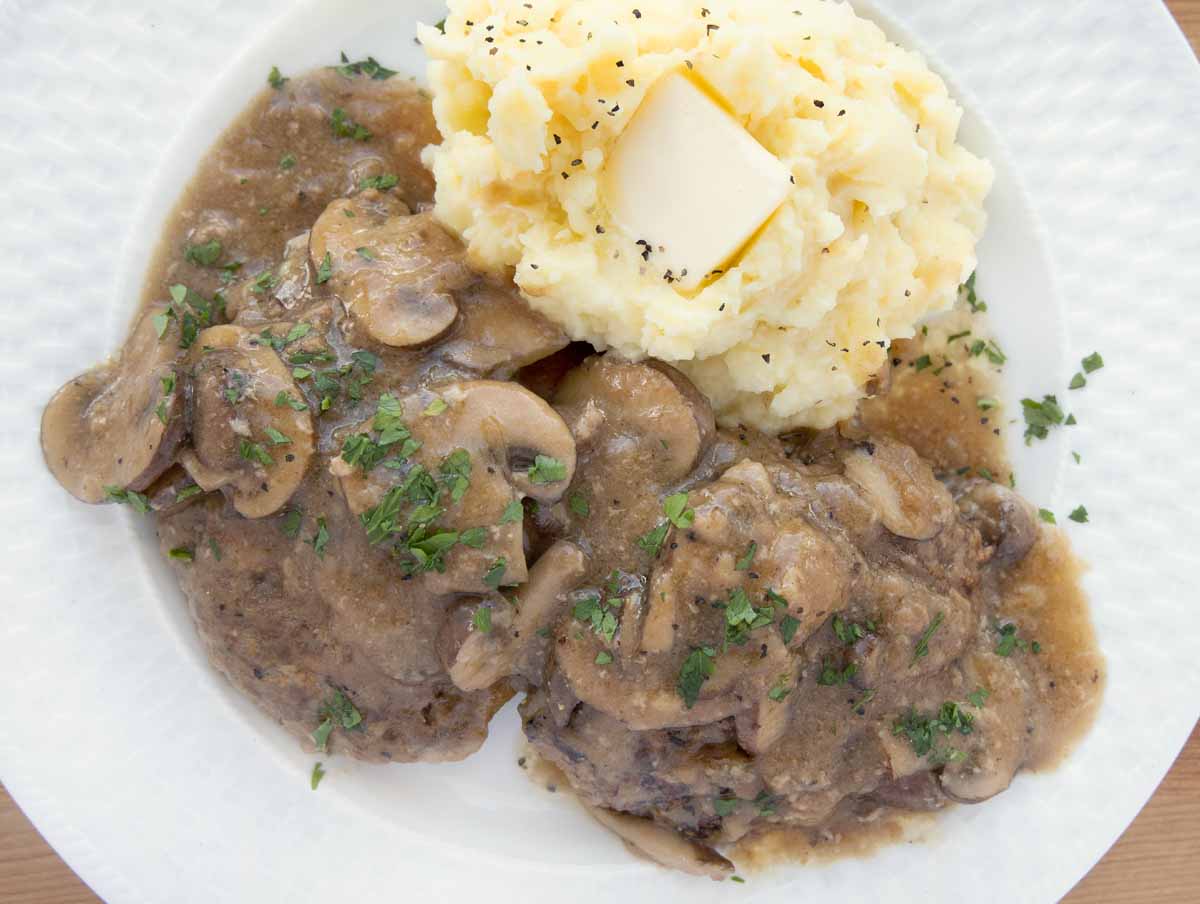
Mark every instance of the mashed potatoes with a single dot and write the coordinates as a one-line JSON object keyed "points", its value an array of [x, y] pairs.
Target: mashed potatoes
{"points": [[878, 231]]}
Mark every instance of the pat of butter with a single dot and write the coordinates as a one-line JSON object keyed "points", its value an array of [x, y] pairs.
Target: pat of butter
{"points": [[686, 177]]}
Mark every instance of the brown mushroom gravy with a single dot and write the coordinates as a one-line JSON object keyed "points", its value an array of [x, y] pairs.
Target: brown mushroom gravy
{"points": [[394, 497]]}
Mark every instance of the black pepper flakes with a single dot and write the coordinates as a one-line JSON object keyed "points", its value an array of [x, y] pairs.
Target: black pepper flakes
{"points": [[819, 104], [637, 13], [767, 358]]}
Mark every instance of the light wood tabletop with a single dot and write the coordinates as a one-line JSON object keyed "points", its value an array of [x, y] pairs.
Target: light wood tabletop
{"points": [[1157, 861]]}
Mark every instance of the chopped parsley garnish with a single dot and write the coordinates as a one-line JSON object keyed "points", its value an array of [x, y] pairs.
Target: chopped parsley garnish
{"points": [[275, 78], [366, 451], [256, 453], [832, 676], [677, 512], [192, 310], [369, 67], [1009, 641], [321, 734], [203, 255], [325, 270], [968, 290], [651, 543], [455, 473], [747, 559], [787, 628], [781, 689], [1041, 417], [345, 127], [921, 650], [697, 669], [923, 363], [182, 554], [336, 712], [138, 502], [514, 513], [1093, 363], [724, 806], [1078, 382], [436, 407], [978, 697], [297, 332], [599, 614], [987, 404], [604, 658], [859, 705], [277, 438], [482, 619], [495, 574], [365, 253], [923, 732], [380, 183], [187, 492], [474, 537], [318, 773], [1079, 516], [578, 505], [285, 398], [287, 162], [1047, 516], [741, 617], [547, 470], [214, 549], [291, 523], [321, 538], [851, 633]]}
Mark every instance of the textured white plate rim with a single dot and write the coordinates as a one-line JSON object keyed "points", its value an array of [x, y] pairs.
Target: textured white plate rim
{"points": [[86, 851]]}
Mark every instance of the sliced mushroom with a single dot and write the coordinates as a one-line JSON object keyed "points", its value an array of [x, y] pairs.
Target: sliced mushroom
{"points": [[522, 429], [662, 845], [396, 274], [485, 658], [999, 742], [120, 424], [911, 502], [498, 333], [243, 442], [651, 404], [1008, 523]]}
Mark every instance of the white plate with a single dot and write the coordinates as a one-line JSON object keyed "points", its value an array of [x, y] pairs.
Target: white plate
{"points": [[156, 783]]}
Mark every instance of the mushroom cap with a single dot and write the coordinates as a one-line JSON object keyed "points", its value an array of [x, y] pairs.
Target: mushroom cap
{"points": [[484, 659], [116, 425], [395, 273], [236, 379], [521, 427], [655, 405], [912, 503], [663, 846]]}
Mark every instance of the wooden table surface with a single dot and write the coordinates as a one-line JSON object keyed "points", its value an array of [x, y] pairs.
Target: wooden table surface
{"points": [[1157, 861]]}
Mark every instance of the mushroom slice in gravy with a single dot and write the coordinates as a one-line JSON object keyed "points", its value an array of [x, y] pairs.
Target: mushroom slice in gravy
{"points": [[396, 274], [117, 427], [243, 440]]}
